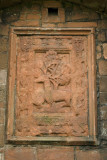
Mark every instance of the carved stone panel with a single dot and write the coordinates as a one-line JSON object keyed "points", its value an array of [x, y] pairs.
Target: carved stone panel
{"points": [[51, 87]]}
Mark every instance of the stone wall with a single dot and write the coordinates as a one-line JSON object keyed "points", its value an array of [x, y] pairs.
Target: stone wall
{"points": [[72, 15]]}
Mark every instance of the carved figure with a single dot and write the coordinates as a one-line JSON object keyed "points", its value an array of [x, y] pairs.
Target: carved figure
{"points": [[55, 73], [51, 95]]}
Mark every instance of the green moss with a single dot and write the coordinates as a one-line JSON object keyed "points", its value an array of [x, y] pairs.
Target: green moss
{"points": [[49, 120]]}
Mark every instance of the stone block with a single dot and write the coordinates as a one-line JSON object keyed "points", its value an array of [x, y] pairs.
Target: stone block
{"points": [[2, 104], [53, 4], [78, 24], [56, 153], [103, 67], [104, 129], [103, 112], [98, 48], [98, 55], [103, 98], [27, 23], [103, 84], [1, 135], [20, 153], [2, 114], [33, 17], [105, 50], [22, 16], [79, 13], [2, 93], [3, 44], [102, 24], [101, 36], [91, 154], [3, 62], [48, 25], [3, 77], [4, 29]]}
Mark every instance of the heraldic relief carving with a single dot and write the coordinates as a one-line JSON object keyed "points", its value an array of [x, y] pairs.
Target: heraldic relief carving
{"points": [[51, 86]]}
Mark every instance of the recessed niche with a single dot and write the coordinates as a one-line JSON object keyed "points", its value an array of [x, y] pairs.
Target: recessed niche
{"points": [[52, 11]]}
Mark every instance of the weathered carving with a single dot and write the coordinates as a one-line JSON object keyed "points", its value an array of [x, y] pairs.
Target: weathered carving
{"points": [[26, 44], [54, 74], [51, 86], [78, 45]]}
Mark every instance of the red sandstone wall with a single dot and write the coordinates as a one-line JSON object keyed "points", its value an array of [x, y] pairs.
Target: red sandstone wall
{"points": [[75, 16]]}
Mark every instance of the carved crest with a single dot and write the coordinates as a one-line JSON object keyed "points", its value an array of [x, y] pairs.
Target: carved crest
{"points": [[55, 73]]}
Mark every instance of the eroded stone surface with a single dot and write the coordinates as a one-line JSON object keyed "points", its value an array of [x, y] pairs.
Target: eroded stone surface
{"points": [[51, 86], [55, 153]]}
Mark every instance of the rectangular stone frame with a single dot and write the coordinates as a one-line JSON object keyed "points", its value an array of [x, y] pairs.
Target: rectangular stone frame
{"points": [[91, 139]]}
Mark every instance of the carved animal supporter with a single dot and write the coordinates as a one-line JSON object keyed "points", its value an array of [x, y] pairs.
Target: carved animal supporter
{"points": [[54, 74]]}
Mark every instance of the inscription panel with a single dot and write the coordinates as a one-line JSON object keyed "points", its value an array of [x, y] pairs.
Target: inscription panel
{"points": [[51, 86]]}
